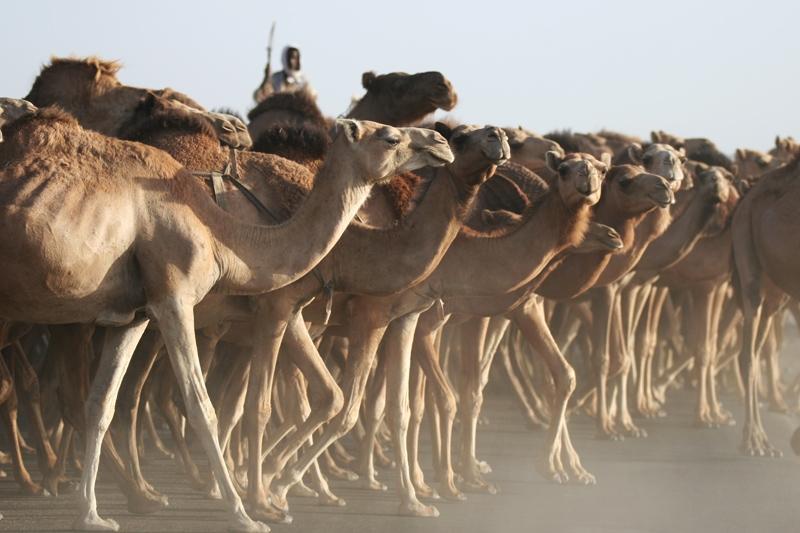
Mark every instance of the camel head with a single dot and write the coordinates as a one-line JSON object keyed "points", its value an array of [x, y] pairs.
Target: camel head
{"points": [[478, 151], [661, 159], [750, 164], [580, 177], [662, 137], [701, 149], [637, 191], [717, 186], [785, 149], [599, 238], [528, 149], [406, 98], [381, 151], [12, 109]]}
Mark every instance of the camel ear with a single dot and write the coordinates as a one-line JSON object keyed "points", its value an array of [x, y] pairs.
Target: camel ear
{"points": [[739, 154], [655, 136], [553, 160], [606, 158], [367, 79], [350, 128], [443, 129], [635, 152]]}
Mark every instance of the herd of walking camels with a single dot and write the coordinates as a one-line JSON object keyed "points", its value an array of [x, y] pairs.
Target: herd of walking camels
{"points": [[302, 290]]}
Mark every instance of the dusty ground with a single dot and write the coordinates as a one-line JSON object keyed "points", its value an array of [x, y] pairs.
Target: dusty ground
{"points": [[679, 479]]}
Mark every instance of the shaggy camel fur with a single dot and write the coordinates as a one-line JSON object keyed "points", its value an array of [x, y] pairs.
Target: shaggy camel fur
{"points": [[170, 221], [89, 89]]}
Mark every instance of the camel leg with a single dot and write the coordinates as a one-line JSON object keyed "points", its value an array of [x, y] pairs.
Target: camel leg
{"points": [[398, 344], [530, 319], [326, 404], [368, 325], [426, 356], [28, 386], [118, 348], [374, 406], [721, 416], [602, 305], [176, 322], [271, 320], [624, 314], [473, 341], [146, 499], [9, 415], [777, 403], [152, 432], [417, 406], [169, 411]]}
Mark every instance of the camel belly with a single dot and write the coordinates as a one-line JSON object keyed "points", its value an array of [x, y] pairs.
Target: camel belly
{"points": [[63, 268], [777, 239]]}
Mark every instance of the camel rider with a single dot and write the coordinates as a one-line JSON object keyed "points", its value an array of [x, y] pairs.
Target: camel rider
{"points": [[291, 78]]}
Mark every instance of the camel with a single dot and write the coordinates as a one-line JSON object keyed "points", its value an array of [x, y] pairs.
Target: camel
{"points": [[529, 150], [705, 277], [428, 229], [162, 217], [89, 89], [785, 149], [403, 99], [697, 149], [750, 164], [286, 111], [764, 236]]}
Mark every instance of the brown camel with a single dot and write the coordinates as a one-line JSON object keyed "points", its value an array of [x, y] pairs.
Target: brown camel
{"points": [[697, 149], [765, 238], [403, 99], [750, 164], [529, 149], [89, 89], [162, 217], [785, 149]]}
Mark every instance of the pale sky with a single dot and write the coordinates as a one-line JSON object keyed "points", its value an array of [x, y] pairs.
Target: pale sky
{"points": [[727, 70]]}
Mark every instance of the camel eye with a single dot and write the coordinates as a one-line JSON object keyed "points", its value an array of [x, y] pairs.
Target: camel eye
{"points": [[392, 141]]}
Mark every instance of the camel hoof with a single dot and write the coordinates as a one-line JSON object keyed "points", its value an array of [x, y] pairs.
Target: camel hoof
{"points": [[452, 494], [301, 490], [143, 504], [609, 435], [484, 467], [636, 432], [268, 513], [32, 489], [244, 524], [585, 478], [481, 485], [418, 509], [343, 474], [278, 500], [424, 490], [331, 500], [92, 522], [372, 484]]}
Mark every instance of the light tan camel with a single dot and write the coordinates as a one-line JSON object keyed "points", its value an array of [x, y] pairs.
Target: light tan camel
{"points": [[166, 247], [765, 239]]}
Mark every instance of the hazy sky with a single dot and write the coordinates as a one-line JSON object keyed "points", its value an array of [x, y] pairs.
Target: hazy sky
{"points": [[724, 70]]}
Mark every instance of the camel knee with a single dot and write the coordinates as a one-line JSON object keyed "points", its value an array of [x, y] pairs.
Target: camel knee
{"points": [[331, 403], [566, 380], [449, 406], [98, 415]]}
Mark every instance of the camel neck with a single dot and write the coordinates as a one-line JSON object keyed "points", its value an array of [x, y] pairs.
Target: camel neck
{"points": [[257, 258], [382, 261], [372, 108], [680, 237], [477, 264]]}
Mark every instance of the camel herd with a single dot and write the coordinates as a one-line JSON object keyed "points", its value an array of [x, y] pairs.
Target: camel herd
{"points": [[282, 286]]}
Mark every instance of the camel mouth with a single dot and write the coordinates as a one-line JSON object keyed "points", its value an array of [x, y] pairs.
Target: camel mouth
{"points": [[442, 155], [663, 201]]}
